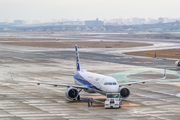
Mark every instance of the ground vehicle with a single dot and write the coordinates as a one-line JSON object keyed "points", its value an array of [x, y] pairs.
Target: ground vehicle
{"points": [[113, 100]]}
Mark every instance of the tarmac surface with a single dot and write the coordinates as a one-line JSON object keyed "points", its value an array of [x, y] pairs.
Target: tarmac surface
{"points": [[158, 100]]}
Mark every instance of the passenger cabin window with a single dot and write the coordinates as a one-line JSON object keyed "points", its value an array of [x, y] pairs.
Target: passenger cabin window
{"points": [[110, 83]]}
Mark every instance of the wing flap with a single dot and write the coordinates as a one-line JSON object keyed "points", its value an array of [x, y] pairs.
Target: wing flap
{"points": [[63, 85]]}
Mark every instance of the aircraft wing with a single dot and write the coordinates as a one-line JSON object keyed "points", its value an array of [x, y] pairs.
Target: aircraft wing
{"points": [[54, 84], [143, 81], [63, 85], [66, 74]]}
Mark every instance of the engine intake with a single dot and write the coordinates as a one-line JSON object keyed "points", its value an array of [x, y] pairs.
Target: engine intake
{"points": [[177, 63], [124, 92], [71, 93]]}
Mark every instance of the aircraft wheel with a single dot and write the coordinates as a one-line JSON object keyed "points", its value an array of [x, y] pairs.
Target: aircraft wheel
{"points": [[78, 98]]}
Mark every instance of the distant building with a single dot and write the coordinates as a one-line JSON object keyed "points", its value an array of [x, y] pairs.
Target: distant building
{"points": [[112, 23], [6, 29], [167, 20], [36, 22], [70, 23], [152, 21], [160, 20], [120, 21], [19, 22], [3, 23], [94, 22]]}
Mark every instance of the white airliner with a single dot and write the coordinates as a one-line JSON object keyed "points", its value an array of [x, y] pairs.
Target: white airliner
{"points": [[94, 83]]}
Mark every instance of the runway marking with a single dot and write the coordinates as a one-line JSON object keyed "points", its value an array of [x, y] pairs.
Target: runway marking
{"points": [[129, 104], [141, 62], [97, 97], [178, 95], [147, 62], [137, 62], [33, 81], [24, 59], [176, 84], [153, 116], [34, 115]]}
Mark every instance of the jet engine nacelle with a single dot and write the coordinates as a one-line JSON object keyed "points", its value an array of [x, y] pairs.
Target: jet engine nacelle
{"points": [[177, 63], [124, 92], [71, 93]]}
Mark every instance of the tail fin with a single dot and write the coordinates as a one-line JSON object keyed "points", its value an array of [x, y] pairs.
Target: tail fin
{"points": [[77, 59]]}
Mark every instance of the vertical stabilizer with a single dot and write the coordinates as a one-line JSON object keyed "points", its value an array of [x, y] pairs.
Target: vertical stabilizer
{"points": [[77, 59]]}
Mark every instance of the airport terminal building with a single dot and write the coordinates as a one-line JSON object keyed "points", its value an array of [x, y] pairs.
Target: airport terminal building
{"points": [[94, 22]]}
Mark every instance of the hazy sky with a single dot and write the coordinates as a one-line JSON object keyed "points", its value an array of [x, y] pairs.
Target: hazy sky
{"points": [[46, 10]]}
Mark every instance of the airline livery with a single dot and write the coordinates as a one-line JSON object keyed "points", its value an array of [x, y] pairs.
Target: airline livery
{"points": [[94, 83]]}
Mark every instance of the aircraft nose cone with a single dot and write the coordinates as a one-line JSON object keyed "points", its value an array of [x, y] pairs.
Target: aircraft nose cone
{"points": [[113, 89]]}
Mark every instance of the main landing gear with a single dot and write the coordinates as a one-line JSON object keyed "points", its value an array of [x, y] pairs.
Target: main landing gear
{"points": [[78, 98]]}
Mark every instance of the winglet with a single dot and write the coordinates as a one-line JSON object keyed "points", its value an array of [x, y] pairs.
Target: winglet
{"points": [[77, 59], [164, 73]]}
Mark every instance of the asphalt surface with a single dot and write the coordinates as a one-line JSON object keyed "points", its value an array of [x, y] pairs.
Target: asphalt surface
{"points": [[154, 100]]}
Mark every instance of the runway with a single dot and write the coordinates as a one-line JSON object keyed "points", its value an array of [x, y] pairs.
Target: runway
{"points": [[153, 100]]}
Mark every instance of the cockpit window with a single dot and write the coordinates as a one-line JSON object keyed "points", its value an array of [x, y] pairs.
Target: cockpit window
{"points": [[114, 83], [110, 83]]}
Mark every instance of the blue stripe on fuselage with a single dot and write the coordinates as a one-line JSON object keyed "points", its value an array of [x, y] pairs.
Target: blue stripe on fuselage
{"points": [[79, 78]]}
